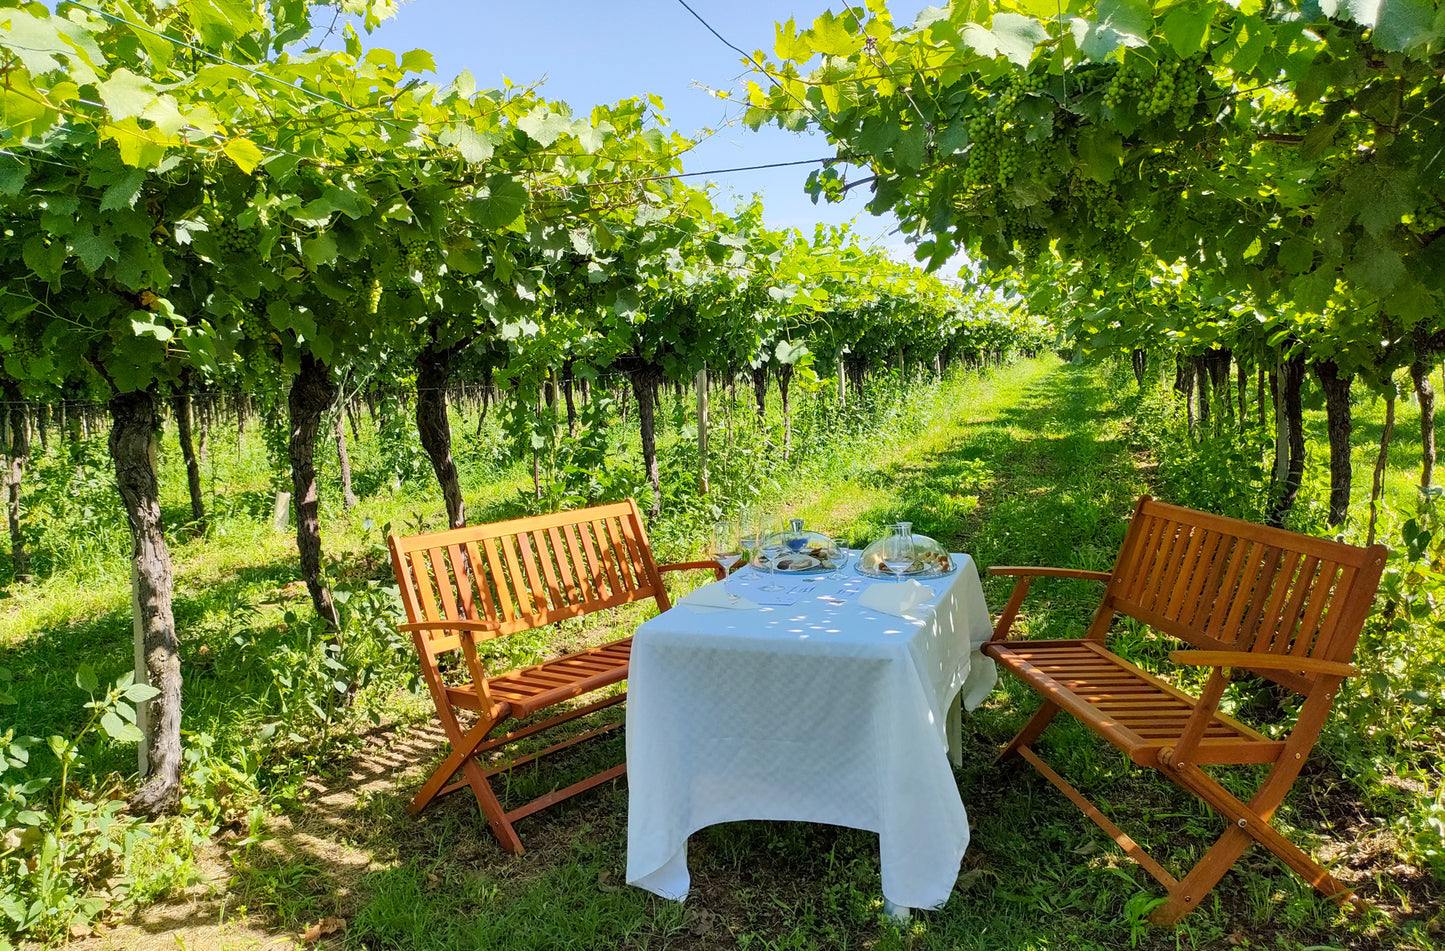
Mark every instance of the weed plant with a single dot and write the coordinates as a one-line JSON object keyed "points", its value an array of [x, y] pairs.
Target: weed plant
{"points": [[1036, 464]]}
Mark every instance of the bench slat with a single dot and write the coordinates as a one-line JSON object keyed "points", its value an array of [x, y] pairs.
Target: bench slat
{"points": [[1239, 594]]}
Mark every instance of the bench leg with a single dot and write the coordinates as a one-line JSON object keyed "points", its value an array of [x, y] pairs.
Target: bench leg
{"points": [[1041, 719], [1201, 878], [492, 808], [1248, 823], [463, 756], [464, 747], [954, 728]]}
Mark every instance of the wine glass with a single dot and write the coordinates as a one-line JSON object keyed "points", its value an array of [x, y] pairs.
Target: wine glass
{"points": [[771, 546], [752, 534], [899, 549], [726, 551]]}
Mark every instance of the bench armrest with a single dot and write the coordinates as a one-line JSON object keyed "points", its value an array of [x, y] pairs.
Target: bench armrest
{"points": [[1261, 661], [718, 571], [1026, 576], [1035, 572], [471, 627]]}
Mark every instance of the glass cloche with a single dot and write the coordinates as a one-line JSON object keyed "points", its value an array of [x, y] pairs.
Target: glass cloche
{"points": [[798, 549], [930, 559]]}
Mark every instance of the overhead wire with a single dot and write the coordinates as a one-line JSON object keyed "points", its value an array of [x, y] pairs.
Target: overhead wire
{"points": [[756, 65]]}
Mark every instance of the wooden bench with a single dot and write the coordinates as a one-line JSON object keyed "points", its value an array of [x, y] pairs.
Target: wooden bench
{"points": [[1245, 597], [471, 584]]}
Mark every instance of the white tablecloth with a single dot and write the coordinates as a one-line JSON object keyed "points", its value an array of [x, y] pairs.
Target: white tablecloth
{"points": [[815, 711]]}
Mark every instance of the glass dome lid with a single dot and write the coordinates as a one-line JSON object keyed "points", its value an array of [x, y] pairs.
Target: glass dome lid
{"points": [[930, 559], [797, 548]]}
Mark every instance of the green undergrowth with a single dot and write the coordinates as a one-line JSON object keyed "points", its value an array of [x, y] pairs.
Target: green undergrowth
{"points": [[270, 699], [1038, 463]]}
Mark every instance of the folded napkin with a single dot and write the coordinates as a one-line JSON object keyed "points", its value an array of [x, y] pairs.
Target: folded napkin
{"points": [[895, 597], [714, 596]]}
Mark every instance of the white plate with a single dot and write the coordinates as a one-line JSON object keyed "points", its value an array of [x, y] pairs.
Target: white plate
{"points": [[760, 562]]}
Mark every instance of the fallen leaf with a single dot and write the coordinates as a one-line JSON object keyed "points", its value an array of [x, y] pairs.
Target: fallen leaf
{"points": [[80, 930], [698, 920], [967, 880], [323, 928]]}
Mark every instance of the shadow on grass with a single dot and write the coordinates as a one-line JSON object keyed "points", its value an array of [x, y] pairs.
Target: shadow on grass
{"points": [[44, 665], [1046, 480]]}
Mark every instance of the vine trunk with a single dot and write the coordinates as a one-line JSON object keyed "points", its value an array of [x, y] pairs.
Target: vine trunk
{"points": [[134, 445], [433, 370], [312, 393]]}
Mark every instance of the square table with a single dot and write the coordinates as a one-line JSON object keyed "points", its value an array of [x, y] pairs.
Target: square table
{"points": [[817, 710]]}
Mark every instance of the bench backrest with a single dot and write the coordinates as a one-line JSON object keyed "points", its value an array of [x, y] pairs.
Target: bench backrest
{"points": [[1223, 584], [526, 572]]}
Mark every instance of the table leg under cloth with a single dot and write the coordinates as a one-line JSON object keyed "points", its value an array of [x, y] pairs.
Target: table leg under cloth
{"points": [[815, 712]]}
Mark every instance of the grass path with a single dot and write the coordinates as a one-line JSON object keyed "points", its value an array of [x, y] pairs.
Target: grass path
{"points": [[1029, 465]]}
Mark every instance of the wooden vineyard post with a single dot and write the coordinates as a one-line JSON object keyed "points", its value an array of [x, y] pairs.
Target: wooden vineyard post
{"points": [[842, 384], [701, 384]]}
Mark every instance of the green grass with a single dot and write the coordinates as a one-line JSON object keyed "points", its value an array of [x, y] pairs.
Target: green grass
{"points": [[1039, 463]]}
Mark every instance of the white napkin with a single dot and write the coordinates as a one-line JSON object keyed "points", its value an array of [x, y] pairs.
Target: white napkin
{"points": [[716, 597], [895, 597]]}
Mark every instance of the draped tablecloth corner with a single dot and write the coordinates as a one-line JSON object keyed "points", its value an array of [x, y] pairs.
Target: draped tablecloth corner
{"points": [[814, 711]]}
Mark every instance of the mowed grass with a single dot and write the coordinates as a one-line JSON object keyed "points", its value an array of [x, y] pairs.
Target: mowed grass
{"points": [[1027, 466], [1031, 464]]}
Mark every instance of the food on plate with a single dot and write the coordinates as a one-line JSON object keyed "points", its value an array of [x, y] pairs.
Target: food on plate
{"points": [[813, 559], [926, 561]]}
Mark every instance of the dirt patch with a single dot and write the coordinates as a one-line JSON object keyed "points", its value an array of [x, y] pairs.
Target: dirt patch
{"points": [[305, 869]]}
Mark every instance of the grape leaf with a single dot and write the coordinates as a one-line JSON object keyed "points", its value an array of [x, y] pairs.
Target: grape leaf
{"points": [[220, 21], [1396, 25], [123, 193], [245, 153], [789, 45], [501, 204], [471, 144], [125, 94], [830, 36], [1295, 255], [544, 126], [1187, 27]]}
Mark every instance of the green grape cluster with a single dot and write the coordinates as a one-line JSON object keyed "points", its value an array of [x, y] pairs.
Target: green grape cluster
{"points": [[423, 258], [1010, 160], [983, 152], [231, 239], [1127, 83], [1099, 202], [311, 177], [373, 296], [1017, 88], [1159, 98], [1191, 77], [1030, 242]]}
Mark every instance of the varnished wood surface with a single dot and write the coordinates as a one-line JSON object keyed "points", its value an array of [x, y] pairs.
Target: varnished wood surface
{"points": [[1243, 596], [466, 585]]}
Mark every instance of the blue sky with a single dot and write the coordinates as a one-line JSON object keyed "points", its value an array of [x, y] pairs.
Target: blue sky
{"points": [[599, 51]]}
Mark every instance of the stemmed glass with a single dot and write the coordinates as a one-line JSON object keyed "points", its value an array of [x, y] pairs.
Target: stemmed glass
{"points": [[726, 551], [899, 549], [751, 534], [770, 546]]}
